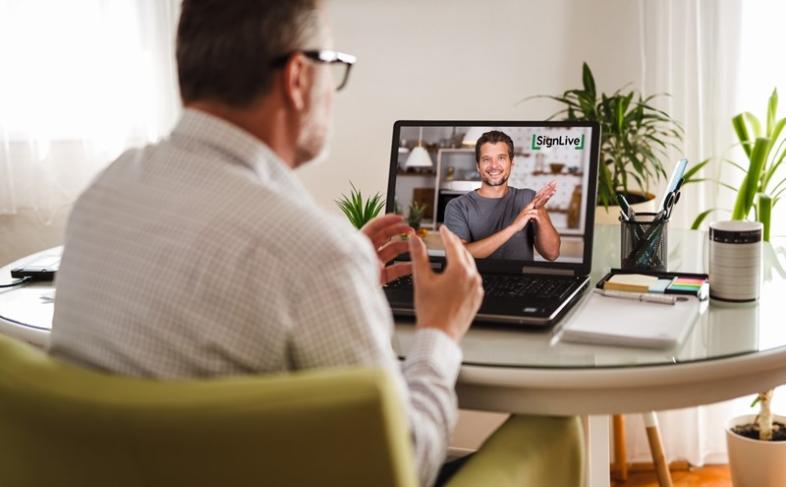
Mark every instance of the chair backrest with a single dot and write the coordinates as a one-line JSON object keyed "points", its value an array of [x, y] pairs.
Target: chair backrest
{"points": [[63, 425]]}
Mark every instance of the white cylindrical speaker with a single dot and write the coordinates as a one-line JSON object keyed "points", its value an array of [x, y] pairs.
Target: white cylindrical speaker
{"points": [[735, 260]]}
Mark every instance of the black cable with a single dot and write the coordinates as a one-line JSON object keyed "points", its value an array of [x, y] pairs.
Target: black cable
{"points": [[17, 283], [26, 325]]}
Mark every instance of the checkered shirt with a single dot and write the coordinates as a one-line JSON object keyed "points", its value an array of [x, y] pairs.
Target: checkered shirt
{"points": [[203, 256]]}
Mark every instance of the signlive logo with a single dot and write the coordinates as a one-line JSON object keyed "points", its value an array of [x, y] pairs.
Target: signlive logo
{"points": [[539, 141]]}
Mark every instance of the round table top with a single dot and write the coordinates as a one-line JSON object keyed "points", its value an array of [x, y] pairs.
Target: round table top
{"points": [[730, 350]]}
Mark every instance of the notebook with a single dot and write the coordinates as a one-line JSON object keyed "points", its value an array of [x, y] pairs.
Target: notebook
{"points": [[637, 283], [613, 321]]}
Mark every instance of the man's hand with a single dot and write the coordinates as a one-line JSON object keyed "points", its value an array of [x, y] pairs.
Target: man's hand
{"points": [[543, 196], [380, 231], [450, 300], [534, 210]]}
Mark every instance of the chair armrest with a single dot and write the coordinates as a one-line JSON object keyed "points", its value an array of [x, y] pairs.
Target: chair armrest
{"points": [[528, 450]]}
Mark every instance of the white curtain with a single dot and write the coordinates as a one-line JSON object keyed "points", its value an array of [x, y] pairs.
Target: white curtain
{"points": [[715, 58], [80, 82], [690, 49]]}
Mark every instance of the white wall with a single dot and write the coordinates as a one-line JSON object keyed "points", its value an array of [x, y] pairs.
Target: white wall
{"points": [[443, 59], [461, 59]]}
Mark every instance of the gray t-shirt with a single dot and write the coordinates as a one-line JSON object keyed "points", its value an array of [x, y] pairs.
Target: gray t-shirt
{"points": [[472, 217]]}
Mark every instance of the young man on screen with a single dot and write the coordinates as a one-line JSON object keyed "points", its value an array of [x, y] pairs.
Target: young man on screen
{"points": [[499, 221]]}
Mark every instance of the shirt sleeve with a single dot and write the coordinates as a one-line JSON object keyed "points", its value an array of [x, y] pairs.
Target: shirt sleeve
{"points": [[456, 220], [342, 318]]}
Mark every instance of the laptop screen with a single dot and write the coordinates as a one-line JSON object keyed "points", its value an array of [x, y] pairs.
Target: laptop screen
{"points": [[521, 195]]}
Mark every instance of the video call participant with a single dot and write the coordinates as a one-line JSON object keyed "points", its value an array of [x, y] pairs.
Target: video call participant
{"points": [[494, 221]]}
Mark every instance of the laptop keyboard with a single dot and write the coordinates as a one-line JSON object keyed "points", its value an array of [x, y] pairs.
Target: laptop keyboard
{"points": [[500, 285]]}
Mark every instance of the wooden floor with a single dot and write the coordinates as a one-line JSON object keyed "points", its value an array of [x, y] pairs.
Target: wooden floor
{"points": [[708, 476]]}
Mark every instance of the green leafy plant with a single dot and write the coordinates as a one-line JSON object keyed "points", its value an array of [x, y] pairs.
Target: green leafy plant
{"points": [[635, 136], [763, 184], [358, 210], [416, 211]]}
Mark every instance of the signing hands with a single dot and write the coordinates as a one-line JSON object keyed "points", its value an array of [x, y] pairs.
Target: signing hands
{"points": [[447, 301], [534, 210], [380, 231]]}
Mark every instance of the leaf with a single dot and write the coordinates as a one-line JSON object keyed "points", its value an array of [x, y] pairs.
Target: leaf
{"points": [[778, 157], [588, 80], [753, 121], [749, 186], [620, 111], [776, 130], [780, 183], [728, 186], [729, 161], [688, 177], [764, 214], [738, 122], [772, 110], [700, 218]]}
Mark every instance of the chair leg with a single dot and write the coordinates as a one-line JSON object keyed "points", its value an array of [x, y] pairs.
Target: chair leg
{"points": [[620, 456], [656, 448]]}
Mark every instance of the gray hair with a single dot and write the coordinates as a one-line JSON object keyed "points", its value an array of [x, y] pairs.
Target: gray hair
{"points": [[225, 49]]}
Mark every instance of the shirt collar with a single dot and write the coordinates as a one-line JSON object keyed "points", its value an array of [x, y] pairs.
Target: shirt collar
{"points": [[198, 127]]}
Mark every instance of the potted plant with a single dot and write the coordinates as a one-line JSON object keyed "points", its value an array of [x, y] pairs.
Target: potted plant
{"points": [[764, 181], [635, 137], [757, 447], [416, 211], [359, 210]]}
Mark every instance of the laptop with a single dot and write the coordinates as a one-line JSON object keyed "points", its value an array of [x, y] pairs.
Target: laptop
{"points": [[41, 268], [449, 187]]}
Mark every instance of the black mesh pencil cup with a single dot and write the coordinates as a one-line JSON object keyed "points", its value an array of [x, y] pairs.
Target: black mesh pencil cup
{"points": [[644, 243]]}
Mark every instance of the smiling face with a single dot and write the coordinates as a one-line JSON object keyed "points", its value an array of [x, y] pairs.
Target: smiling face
{"points": [[494, 163]]}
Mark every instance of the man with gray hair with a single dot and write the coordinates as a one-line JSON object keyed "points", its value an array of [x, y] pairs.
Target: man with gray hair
{"points": [[202, 255]]}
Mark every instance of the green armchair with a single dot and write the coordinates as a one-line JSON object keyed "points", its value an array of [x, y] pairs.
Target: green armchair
{"points": [[66, 426]]}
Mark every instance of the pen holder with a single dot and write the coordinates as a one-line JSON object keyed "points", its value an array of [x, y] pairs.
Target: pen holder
{"points": [[644, 242]]}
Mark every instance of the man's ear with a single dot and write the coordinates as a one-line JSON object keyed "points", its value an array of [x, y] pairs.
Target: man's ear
{"points": [[295, 74]]}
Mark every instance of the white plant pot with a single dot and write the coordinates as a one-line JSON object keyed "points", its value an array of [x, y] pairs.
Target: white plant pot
{"points": [[755, 463], [612, 215]]}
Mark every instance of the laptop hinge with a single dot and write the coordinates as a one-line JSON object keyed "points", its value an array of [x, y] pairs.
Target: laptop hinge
{"points": [[546, 271]]}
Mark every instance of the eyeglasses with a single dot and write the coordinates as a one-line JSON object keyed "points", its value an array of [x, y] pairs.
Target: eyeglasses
{"points": [[340, 63]]}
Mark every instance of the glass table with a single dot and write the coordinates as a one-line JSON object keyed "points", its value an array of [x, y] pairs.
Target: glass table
{"points": [[731, 351], [522, 358]]}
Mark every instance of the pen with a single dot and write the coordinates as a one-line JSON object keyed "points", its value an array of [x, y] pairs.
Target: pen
{"points": [[625, 209], [649, 298]]}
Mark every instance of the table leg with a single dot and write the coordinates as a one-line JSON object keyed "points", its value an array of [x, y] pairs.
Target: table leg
{"points": [[620, 455], [656, 448], [596, 429]]}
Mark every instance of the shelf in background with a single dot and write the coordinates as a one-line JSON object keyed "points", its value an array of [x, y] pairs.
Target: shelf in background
{"points": [[548, 173], [412, 173]]}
